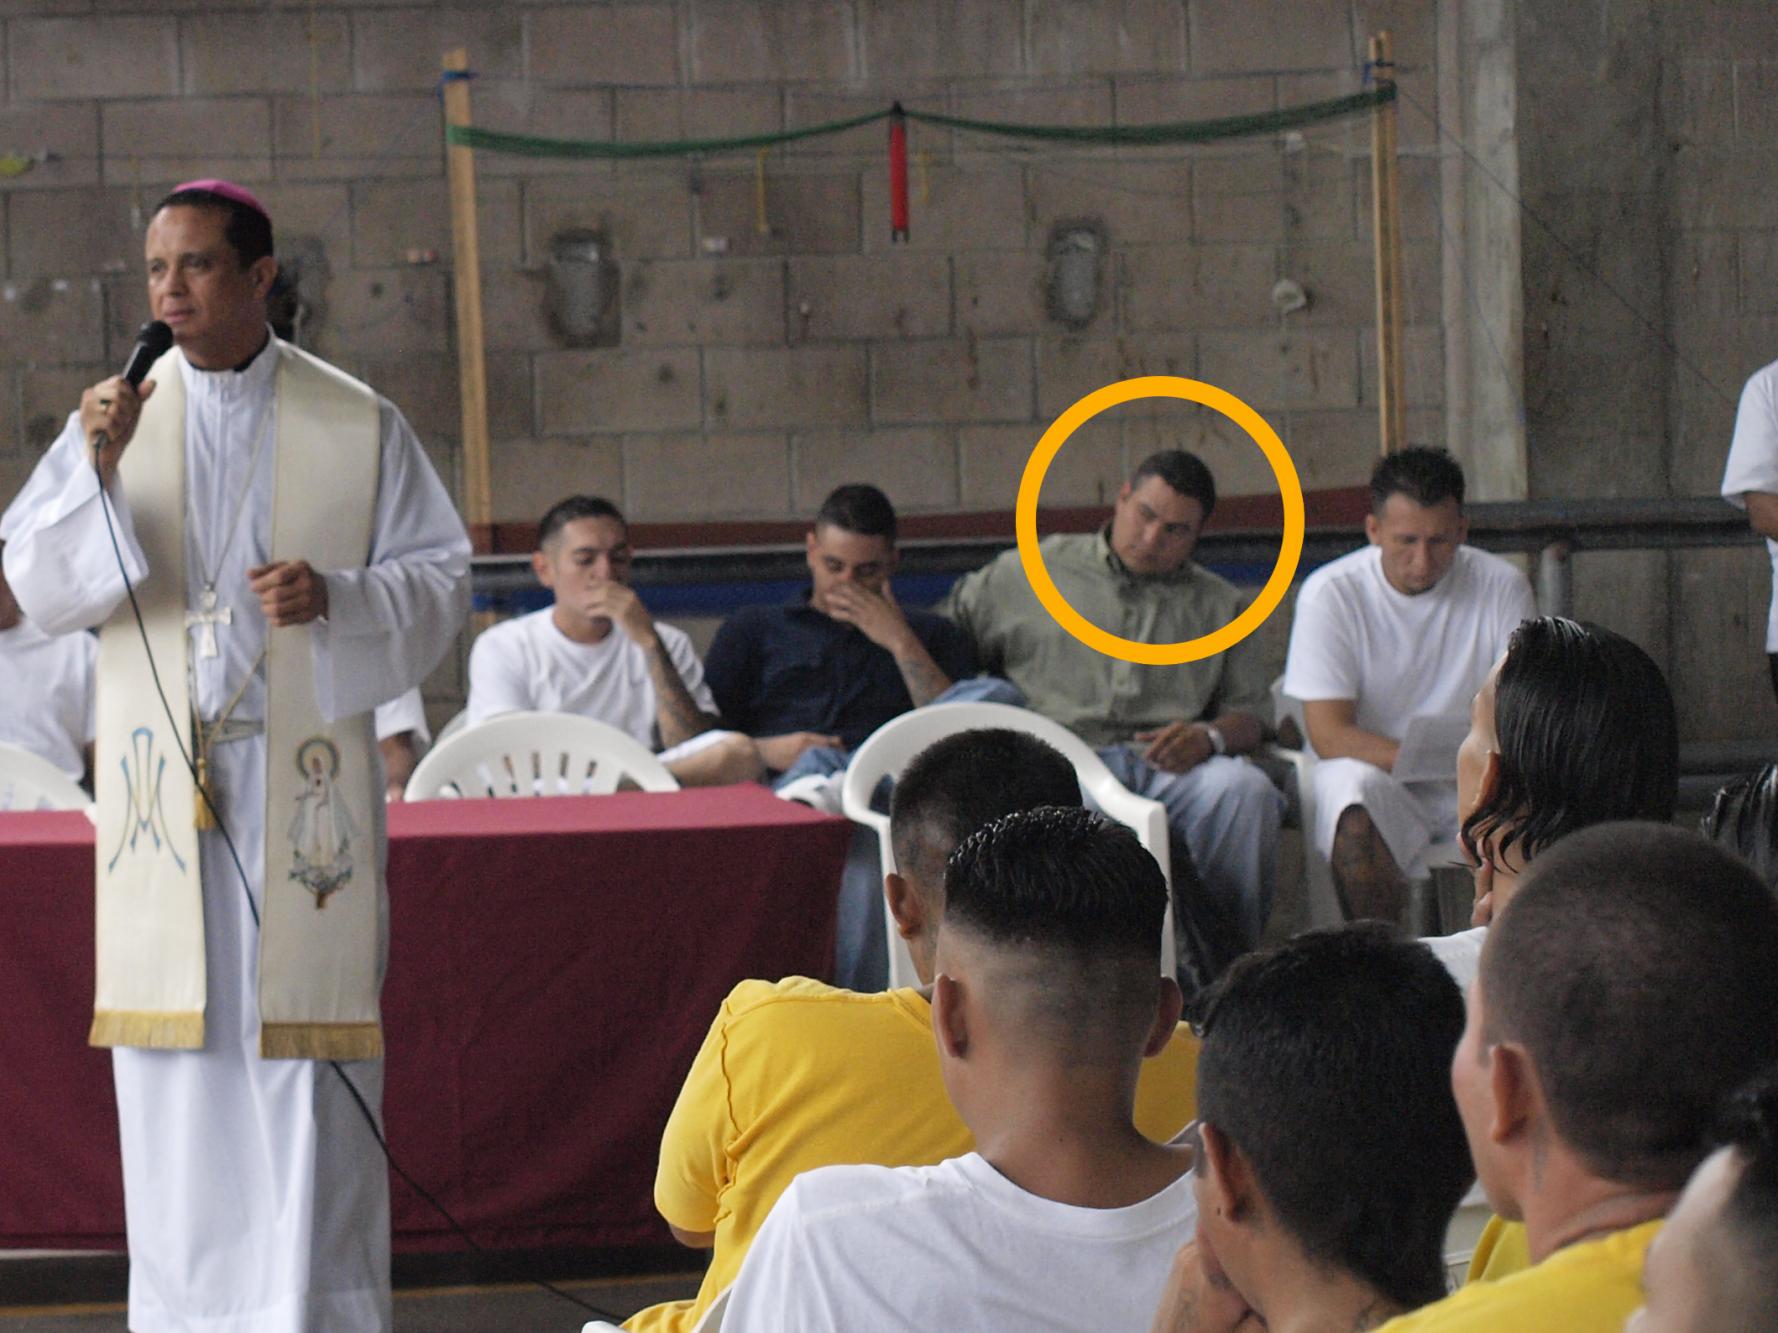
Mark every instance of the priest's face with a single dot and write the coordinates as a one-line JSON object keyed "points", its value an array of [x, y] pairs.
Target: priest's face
{"points": [[197, 284]]}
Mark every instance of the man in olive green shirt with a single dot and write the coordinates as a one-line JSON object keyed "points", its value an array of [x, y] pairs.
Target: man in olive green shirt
{"points": [[1172, 733]]}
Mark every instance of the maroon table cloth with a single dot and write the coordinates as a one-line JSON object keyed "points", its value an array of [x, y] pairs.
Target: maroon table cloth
{"points": [[554, 964]]}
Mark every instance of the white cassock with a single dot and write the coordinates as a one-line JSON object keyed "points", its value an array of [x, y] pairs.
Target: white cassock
{"points": [[257, 1198]]}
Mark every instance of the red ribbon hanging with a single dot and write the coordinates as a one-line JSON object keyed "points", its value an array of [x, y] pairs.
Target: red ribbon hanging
{"points": [[898, 174]]}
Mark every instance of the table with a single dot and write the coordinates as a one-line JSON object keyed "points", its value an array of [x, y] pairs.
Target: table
{"points": [[554, 964]]}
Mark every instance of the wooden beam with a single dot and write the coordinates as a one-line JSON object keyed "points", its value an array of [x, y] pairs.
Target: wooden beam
{"points": [[466, 267], [1386, 236]]}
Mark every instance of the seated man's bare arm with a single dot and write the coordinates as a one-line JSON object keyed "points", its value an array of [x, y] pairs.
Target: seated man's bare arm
{"points": [[1334, 732], [693, 1240], [1762, 513]]}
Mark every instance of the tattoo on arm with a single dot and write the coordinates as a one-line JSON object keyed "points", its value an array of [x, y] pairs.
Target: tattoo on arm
{"points": [[923, 677], [678, 714]]}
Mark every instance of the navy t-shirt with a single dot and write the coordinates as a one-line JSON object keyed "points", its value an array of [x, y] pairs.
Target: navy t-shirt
{"points": [[776, 669]]}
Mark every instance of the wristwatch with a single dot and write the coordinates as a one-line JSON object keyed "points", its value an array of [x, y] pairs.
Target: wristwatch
{"points": [[1219, 743]]}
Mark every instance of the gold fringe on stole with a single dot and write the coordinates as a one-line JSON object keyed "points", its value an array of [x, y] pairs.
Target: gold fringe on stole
{"points": [[167, 1032], [321, 1041]]}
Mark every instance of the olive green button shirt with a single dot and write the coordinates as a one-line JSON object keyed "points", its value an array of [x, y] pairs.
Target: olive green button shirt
{"points": [[1102, 700]]}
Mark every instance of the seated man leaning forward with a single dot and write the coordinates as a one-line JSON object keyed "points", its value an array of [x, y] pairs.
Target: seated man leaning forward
{"points": [[796, 1074], [1332, 1154], [1168, 733], [598, 653], [1045, 1000], [811, 679], [1408, 626], [1626, 991]]}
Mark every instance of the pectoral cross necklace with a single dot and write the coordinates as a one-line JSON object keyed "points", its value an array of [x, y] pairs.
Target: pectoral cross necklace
{"points": [[207, 617]]}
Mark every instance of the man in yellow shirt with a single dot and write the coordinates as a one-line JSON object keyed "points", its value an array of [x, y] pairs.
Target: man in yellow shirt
{"points": [[1625, 992], [797, 1074]]}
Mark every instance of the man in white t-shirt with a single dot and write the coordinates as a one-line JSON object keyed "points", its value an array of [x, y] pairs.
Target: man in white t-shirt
{"points": [[598, 652], [46, 689], [1409, 626], [1045, 1000], [1751, 479]]}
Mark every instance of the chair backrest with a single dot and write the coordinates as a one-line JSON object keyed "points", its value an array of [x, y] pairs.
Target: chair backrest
{"points": [[458, 721], [536, 754], [891, 747], [30, 782]]}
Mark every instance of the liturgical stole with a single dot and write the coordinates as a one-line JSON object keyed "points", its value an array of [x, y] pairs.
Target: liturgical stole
{"points": [[320, 941]]}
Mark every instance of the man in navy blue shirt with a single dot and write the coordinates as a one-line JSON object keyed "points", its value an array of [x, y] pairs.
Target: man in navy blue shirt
{"points": [[828, 668]]}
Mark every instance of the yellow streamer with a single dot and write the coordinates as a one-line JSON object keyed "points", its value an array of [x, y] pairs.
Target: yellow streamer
{"points": [[760, 224]]}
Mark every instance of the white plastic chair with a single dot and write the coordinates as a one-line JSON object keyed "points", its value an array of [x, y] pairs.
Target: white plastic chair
{"points": [[458, 721], [30, 782], [891, 747], [536, 754]]}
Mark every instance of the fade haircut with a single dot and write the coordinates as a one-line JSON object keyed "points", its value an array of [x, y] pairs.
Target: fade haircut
{"points": [[1744, 819], [1747, 1277], [1427, 476], [956, 785], [859, 508], [247, 230], [564, 512], [1587, 732], [1182, 472], [1328, 1062], [1635, 966]]}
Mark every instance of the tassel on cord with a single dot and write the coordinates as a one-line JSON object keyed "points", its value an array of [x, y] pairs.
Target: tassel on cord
{"points": [[898, 174]]}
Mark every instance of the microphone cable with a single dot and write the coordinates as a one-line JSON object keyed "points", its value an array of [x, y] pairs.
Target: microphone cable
{"points": [[100, 441]]}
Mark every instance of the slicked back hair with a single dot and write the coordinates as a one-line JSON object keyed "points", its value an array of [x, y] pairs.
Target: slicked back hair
{"points": [[1749, 1289], [1744, 818], [1635, 966], [247, 230], [1182, 472], [1327, 1061], [1587, 732], [1428, 476], [575, 507], [956, 785], [859, 508]]}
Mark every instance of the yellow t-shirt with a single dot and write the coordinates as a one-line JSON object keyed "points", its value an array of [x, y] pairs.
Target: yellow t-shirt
{"points": [[796, 1074], [1587, 1288], [1501, 1251]]}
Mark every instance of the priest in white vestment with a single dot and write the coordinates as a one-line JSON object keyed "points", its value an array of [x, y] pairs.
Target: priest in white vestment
{"points": [[256, 1194]]}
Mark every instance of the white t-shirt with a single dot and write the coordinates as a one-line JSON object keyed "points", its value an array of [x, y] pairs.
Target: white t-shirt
{"points": [[955, 1246], [1399, 657], [46, 694], [528, 665], [1460, 953], [1753, 463]]}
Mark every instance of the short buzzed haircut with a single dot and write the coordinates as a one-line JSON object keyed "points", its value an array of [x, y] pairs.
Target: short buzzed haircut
{"points": [[1183, 472], [1327, 1061], [956, 785], [859, 508], [575, 507], [1636, 966], [1745, 1295], [1427, 476], [247, 230]]}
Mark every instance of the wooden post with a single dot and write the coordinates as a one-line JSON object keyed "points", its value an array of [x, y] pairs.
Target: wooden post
{"points": [[472, 371], [1386, 235]]}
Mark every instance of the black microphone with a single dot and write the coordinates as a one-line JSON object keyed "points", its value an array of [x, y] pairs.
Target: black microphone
{"points": [[152, 341]]}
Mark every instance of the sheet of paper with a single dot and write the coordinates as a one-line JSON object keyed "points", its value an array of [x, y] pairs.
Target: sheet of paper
{"points": [[1429, 749]]}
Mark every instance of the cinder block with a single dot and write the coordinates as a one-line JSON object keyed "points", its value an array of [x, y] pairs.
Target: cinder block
{"points": [[869, 296], [548, 113], [1412, 26], [1002, 291], [1758, 271], [515, 311], [259, 53], [750, 41], [809, 106], [1144, 202], [582, 392], [529, 476], [1268, 198], [1422, 366], [1718, 649], [952, 379], [60, 233], [1072, 37], [703, 302], [1420, 195], [1340, 280], [387, 310], [52, 319], [1339, 449], [1703, 281], [929, 39], [1243, 36], [359, 136], [1698, 100], [1070, 368], [640, 217], [1270, 370], [1147, 99], [1729, 29], [804, 215], [1088, 470], [1197, 286], [61, 59], [1756, 100], [590, 44], [916, 467], [194, 136], [67, 132], [718, 476], [697, 113], [972, 206], [1231, 455], [425, 387], [775, 387], [397, 50], [1087, 102], [47, 395], [320, 213], [392, 217]]}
